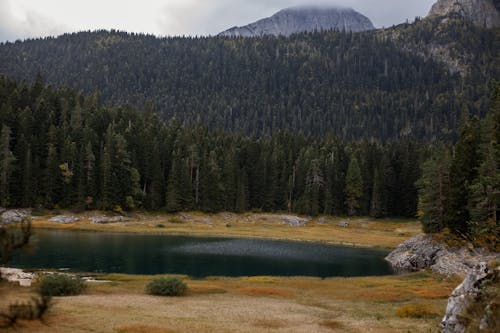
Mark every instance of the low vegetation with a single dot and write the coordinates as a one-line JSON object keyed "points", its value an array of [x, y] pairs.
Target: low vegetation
{"points": [[242, 305], [61, 285], [167, 286], [417, 310]]}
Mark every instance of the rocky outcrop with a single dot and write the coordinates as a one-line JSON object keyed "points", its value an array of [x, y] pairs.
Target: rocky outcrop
{"points": [[294, 221], [64, 219], [472, 291], [424, 252], [14, 216], [482, 13], [17, 275], [107, 219], [301, 19]]}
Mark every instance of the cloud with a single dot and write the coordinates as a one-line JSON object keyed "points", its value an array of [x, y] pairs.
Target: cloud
{"points": [[35, 18], [21, 24], [203, 17]]}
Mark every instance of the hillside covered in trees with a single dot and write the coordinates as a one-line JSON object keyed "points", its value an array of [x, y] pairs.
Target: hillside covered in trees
{"points": [[61, 148], [460, 187], [378, 85]]}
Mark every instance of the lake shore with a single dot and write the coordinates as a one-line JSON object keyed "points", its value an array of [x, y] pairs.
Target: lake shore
{"points": [[118, 303], [360, 232]]}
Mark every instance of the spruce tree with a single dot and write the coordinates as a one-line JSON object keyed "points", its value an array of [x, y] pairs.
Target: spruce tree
{"points": [[6, 163], [353, 187], [434, 189], [463, 171]]}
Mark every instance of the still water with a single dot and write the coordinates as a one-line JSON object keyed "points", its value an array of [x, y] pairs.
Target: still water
{"points": [[195, 256]]}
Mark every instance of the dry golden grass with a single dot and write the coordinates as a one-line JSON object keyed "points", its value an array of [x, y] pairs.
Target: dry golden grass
{"points": [[276, 292], [417, 310], [333, 324], [384, 233], [140, 328], [245, 305]]}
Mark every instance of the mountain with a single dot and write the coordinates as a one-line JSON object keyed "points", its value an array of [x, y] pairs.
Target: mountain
{"points": [[409, 81], [302, 19], [483, 13]]}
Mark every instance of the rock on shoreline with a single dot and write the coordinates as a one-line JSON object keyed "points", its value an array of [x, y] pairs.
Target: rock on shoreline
{"points": [[465, 295], [424, 252]]}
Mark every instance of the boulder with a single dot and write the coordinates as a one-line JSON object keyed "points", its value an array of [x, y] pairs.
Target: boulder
{"points": [[14, 216], [64, 219], [465, 295], [422, 252], [294, 221], [108, 219], [17, 275]]}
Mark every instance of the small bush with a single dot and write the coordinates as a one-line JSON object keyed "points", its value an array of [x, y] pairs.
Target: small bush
{"points": [[417, 310], [61, 285], [167, 287], [160, 226], [175, 220]]}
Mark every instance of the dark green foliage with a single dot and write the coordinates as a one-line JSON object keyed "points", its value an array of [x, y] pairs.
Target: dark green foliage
{"points": [[61, 285], [353, 187], [462, 193], [463, 171], [119, 158], [434, 190], [355, 85], [168, 286]]}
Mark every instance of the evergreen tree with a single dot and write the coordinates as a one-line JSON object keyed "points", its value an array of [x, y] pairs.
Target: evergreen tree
{"points": [[463, 171], [353, 187], [434, 190], [6, 163]]}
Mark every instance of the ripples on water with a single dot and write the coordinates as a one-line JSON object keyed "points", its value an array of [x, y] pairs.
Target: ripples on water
{"points": [[197, 257]]}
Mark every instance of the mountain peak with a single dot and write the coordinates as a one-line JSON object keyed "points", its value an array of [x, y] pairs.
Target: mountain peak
{"points": [[483, 13], [304, 18]]}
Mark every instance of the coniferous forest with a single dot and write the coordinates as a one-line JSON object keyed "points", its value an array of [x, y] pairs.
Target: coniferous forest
{"points": [[370, 85], [316, 123], [61, 148]]}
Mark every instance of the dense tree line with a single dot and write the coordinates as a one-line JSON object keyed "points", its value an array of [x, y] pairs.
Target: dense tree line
{"points": [[368, 85], [460, 188], [61, 148]]}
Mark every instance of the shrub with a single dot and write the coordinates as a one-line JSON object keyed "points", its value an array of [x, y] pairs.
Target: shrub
{"points": [[417, 310], [167, 287], [175, 220], [160, 226], [61, 285]]}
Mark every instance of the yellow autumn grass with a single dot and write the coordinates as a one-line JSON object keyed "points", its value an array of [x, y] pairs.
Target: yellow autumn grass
{"points": [[363, 232], [241, 305]]}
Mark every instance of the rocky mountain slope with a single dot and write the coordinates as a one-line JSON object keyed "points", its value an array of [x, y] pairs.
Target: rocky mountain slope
{"points": [[483, 13], [300, 19]]}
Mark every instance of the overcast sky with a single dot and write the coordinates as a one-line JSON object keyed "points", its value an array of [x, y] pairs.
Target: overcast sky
{"points": [[20, 19]]}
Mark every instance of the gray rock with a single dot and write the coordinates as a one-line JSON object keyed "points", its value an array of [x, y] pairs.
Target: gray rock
{"points": [[14, 216], [64, 219], [422, 252], [465, 295], [294, 221], [189, 218], [107, 219], [304, 18], [344, 224], [482, 13]]}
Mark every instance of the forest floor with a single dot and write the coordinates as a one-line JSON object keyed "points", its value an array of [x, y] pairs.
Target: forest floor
{"points": [[361, 232], [252, 304]]}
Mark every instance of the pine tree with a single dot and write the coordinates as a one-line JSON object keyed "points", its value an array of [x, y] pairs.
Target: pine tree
{"points": [[434, 187], [484, 199], [6, 160], [463, 171], [353, 187]]}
